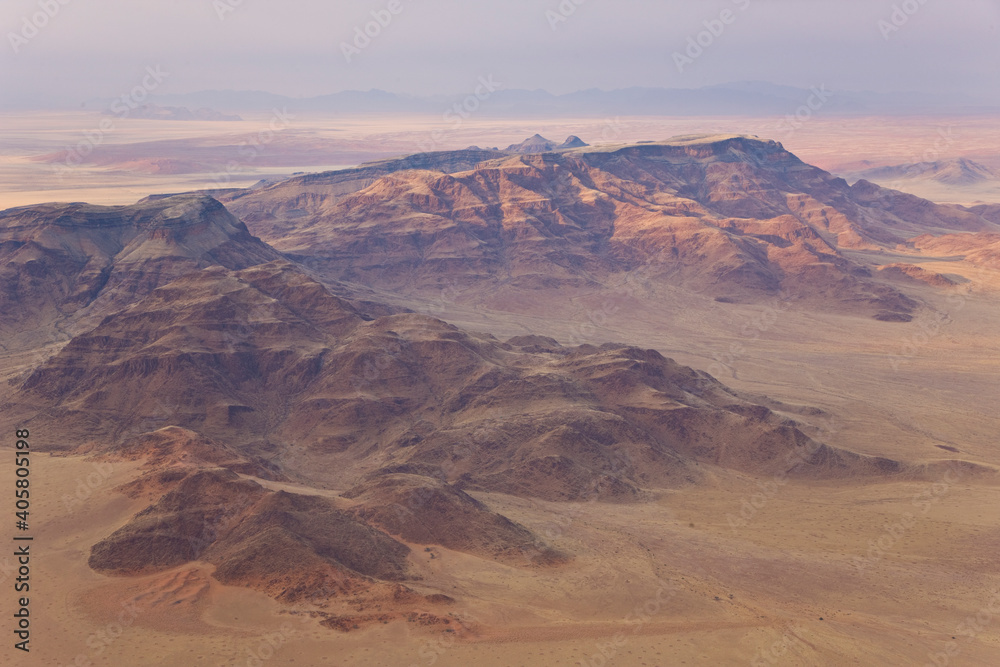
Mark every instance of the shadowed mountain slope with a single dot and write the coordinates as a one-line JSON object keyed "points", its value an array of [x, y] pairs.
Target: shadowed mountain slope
{"points": [[268, 361], [63, 267]]}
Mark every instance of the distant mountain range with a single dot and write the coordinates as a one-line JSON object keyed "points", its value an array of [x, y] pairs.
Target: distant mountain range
{"points": [[742, 98], [960, 171]]}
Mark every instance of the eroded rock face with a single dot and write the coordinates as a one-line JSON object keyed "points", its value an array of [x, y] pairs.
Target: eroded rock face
{"points": [[727, 216]]}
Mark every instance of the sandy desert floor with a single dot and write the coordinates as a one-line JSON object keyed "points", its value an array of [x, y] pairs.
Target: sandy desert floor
{"points": [[672, 582]]}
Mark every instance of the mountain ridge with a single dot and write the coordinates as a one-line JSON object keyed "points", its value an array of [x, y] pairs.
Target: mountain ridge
{"points": [[733, 216]]}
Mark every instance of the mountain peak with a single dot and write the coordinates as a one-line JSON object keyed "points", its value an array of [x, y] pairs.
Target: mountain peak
{"points": [[534, 144], [101, 258], [574, 141]]}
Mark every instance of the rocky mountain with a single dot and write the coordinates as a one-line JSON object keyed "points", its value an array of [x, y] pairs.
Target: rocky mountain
{"points": [[989, 212], [272, 540], [533, 144], [309, 548], [392, 420], [733, 217], [63, 267], [291, 200], [539, 144], [573, 141], [313, 388]]}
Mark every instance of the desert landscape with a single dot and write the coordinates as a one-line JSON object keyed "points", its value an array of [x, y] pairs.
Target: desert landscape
{"points": [[681, 402], [583, 335]]}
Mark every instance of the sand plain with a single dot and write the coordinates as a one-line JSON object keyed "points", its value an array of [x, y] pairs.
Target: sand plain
{"points": [[671, 582]]}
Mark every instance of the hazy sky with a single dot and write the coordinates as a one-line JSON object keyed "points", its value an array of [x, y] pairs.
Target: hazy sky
{"points": [[100, 48]]}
